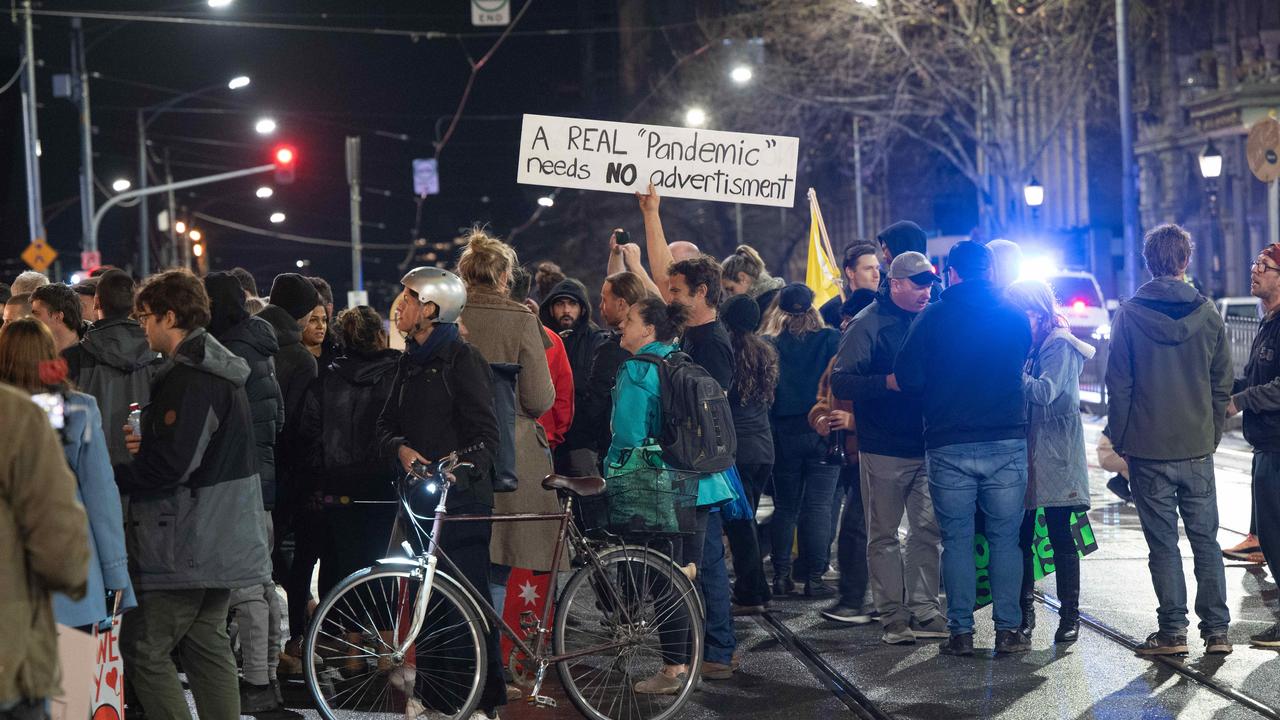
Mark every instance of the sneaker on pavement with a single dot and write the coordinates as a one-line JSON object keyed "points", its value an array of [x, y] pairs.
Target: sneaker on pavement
{"points": [[935, 627], [1269, 638], [1011, 641], [897, 633], [842, 613], [660, 684], [1217, 644], [718, 671], [257, 698], [1158, 643], [961, 645], [1242, 549]]}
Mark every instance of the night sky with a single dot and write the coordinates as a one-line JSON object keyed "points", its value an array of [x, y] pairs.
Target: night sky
{"points": [[320, 87]]}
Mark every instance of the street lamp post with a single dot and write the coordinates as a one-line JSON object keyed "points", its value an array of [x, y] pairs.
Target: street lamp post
{"points": [[1211, 170], [1033, 194], [146, 116]]}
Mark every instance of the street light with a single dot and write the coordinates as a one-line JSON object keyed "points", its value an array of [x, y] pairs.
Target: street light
{"points": [[695, 117], [121, 184], [265, 126], [265, 192], [195, 235], [546, 201], [741, 74], [238, 82], [1033, 193], [219, 3], [1211, 170], [180, 228], [277, 218]]}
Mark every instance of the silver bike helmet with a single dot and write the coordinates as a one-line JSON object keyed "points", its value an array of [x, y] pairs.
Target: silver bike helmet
{"points": [[440, 287]]}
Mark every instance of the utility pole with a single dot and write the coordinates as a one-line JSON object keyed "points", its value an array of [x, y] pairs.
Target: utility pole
{"points": [[857, 177], [357, 295], [1128, 179], [144, 230], [183, 254], [30, 130], [89, 257]]}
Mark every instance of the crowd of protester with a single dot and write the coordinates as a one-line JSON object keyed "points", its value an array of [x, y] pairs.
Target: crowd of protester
{"points": [[270, 429]]}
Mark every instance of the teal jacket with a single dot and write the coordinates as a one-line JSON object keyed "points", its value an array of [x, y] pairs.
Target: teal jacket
{"points": [[637, 417]]}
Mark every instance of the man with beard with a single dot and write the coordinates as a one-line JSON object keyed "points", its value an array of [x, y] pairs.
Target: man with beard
{"points": [[566, 310]]}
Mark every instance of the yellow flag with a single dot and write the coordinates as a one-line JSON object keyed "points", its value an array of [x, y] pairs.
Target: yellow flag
{"points": [[822, 275]]}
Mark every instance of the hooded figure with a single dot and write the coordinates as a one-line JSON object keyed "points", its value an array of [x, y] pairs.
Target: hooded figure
{"points": [[254, 340], [116, 368], [580, 343]]}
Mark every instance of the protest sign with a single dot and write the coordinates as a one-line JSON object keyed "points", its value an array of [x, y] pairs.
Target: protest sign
{"points": [[1042, 557], [681, 162]]}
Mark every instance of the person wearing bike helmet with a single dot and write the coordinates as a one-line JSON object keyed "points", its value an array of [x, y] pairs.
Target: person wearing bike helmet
{"points": [[442, 401]]}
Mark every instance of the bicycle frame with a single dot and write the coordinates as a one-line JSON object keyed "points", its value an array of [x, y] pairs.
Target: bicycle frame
{"points": [[428, 560]]}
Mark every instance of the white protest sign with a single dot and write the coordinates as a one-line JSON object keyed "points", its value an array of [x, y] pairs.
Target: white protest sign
{"points": [[681, 162]]}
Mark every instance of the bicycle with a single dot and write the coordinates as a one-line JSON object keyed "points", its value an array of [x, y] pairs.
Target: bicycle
{"points": [[404, 637]]}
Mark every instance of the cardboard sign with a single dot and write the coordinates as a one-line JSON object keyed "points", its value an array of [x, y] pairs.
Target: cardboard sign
{"points": [[1042, 560], [76, 660], [681, 162], [107, 702]]}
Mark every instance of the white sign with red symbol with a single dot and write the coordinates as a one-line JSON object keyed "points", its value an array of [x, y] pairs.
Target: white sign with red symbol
{"points": [[526, 593], [108, 685]]}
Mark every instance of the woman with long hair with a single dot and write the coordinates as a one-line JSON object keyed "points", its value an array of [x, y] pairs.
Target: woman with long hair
{"points": [[803, 486], [1058, 477], [505, 331], [744, 273], [755, 379], [29, 360]]}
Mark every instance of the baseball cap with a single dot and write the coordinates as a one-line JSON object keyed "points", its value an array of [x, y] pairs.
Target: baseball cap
{"points": [[969, 258], [915, 267]]}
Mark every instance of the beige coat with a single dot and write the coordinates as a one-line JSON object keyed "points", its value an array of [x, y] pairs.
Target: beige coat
{"points": [[44, 547], [507, 332]]}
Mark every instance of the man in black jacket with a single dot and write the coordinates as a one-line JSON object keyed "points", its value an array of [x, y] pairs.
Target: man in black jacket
{"points": [[1168, 387], [192, 528], [1258, 397], [254, 608], [567, 311], [964, 355], [890, 428]]}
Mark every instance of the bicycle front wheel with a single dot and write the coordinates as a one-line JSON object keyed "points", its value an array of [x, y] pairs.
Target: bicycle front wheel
{"points": [[647, 609], [350, 658]]}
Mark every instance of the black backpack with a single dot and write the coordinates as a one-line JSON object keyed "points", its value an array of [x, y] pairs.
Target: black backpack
{"points": [[697, 425]]}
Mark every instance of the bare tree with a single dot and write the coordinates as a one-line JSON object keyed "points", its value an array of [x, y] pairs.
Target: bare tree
{"points": [[987, 84]]}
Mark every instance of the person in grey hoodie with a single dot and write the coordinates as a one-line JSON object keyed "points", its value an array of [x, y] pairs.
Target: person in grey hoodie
{"points": [[1169, 382], [1058, 479], [193, 530]]}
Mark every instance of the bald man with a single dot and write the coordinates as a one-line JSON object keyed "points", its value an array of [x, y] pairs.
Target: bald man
{"points": [[661, 255], [683, 250]]}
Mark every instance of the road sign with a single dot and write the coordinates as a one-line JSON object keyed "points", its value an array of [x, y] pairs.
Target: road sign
{"points": [[39, 255], [426, 177], [90, 260], [490, 12]]}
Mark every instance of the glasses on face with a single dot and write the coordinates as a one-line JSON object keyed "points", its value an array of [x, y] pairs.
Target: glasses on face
{"points": [[1262, 267], [139, 317]]}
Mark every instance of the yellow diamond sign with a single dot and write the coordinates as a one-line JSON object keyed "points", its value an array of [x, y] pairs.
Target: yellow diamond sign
{"points": [[39, 255]]}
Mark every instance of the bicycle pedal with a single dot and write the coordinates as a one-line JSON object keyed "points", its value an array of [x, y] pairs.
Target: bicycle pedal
{"points": [[542, 701]]}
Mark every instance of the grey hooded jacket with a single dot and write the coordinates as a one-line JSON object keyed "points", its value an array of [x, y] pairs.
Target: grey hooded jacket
{"points": [[116, 368], [194, 516], [1059, 475], [1168, 375]]}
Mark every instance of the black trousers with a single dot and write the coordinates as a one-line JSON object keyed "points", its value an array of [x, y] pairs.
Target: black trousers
{"points": [[1066, 559], [750, 587], [851, 543], [1266, 505]]}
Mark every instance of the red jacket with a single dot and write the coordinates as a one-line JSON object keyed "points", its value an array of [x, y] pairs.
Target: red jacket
{"points": [[556, 421]]}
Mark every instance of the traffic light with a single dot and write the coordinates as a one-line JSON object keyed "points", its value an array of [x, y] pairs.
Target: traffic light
{"points": [[286, 162]]}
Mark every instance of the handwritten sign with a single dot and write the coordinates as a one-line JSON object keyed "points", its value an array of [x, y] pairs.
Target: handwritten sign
{"points": [[681, 162]]}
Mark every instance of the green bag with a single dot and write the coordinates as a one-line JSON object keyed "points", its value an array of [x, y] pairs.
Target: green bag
{"points": [[644, 495]]}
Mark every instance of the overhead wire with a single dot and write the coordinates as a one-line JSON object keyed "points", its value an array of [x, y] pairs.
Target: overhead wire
{"points": [[291, 237], [16, 74]]}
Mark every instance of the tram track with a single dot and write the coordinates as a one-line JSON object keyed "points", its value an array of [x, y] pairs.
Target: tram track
{"points": [[829, 676], [1174, 663]]}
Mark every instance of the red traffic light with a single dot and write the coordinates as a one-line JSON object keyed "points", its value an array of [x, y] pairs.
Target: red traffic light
{"points": [[284, 158]]}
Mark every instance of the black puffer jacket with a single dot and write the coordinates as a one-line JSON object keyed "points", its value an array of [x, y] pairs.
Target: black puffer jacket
{"points": [[254, 340], [580, 344], [295, 365], [339, 426]]}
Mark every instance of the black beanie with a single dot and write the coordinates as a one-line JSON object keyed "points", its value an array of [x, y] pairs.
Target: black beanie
{"points": [[741, 314], [226, 302], [294, 294], [904, 236]]}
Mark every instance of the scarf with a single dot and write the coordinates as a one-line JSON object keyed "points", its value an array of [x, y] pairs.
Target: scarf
{"points": [[443, 334]]}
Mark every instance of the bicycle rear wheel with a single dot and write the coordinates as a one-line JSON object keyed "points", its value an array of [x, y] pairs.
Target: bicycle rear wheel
{"points": [[645, 603], [351, 665]]}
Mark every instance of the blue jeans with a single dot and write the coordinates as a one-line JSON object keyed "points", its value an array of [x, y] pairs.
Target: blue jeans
{"points": [[803, 489], [1162, 489], [713, 578], [991, 477]]}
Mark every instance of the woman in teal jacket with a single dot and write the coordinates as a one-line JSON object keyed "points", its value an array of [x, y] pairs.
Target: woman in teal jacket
{"points": [[651, 328]]}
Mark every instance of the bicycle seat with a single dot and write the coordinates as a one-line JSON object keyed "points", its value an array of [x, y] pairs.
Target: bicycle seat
{"points": [[580, 486]]}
